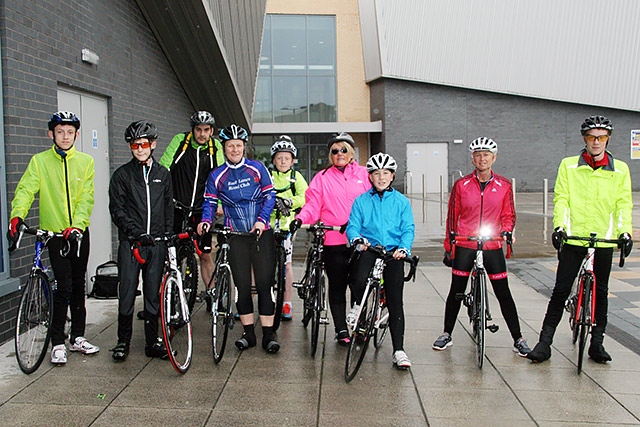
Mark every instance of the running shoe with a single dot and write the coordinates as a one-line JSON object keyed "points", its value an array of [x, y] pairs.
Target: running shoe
{"points": [[59, 354], [83, 346], [287, 311], [521, 348], [443, 342], [401, 360]]}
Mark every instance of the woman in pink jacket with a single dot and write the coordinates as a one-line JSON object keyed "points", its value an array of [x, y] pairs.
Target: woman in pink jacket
{"points": [[329, 198]]}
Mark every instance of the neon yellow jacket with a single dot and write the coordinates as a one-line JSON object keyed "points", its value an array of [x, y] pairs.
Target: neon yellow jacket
{"points": [[283, 184], [587, 200], [45, 174]]}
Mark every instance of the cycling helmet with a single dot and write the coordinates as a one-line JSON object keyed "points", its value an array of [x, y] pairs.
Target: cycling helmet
{"points": [[284, 144], [140, 129], [483, 144], [596, 122], [202, 118], [64, 118], [381, 161], [342, 136], [233, 132]]}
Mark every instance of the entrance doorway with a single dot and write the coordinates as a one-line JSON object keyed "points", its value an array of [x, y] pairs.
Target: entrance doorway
{"points": [[426, 163]]}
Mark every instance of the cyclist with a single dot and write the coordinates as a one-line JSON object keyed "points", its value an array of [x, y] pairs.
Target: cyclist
{"points": [[141, 206], [290, 187], [481, 201], [382, 216], [329, 198], [63, 177], [190, 157], [245, 189], [592, 194]]}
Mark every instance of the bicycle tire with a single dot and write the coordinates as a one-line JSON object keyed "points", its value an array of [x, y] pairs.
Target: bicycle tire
{"points": [[382, 322], [574, 315], [176, 324], [584, 323], [480, 325], [279, 285], [362, 333], [317, 282], [188, 267], [221, 316], [33, 322]]}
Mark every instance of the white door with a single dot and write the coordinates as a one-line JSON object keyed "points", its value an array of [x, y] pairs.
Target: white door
{"points": [[426, 163], [94, 140]]}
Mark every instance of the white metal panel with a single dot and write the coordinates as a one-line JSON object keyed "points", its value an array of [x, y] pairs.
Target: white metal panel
{"points": [[583, 51]]}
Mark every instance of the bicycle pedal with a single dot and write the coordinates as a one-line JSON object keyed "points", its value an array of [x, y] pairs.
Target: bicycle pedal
{"points": [[493, 328], [324, 321]]}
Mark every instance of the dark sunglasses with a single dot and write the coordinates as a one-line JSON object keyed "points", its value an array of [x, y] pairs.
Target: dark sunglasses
{"points": [[136, 145], [342, 150]]}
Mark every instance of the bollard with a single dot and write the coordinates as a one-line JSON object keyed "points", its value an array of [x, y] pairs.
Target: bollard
{"points": [[545, 199], [513, 186]]}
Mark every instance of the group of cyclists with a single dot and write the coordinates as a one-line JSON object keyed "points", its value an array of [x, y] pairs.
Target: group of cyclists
{"points": [[212, 176]]}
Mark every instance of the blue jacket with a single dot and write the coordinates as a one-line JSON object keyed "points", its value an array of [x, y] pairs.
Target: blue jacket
{"points": [[386, 220]]}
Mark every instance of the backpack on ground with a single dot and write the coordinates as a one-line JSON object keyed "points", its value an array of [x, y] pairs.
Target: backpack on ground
{"points": [[105, 282]]}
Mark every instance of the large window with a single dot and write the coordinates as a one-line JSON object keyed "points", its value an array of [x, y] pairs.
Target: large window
{"points": [[297, 76]]}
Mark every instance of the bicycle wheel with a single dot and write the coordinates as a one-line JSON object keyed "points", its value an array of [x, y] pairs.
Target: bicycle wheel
{"points": [[221, 316], [35, 314], [382, 322], [316, 305], [584, 323], [188, 267], [574, 315], [362, 333], [278, 286], [480, 318], [176, 324]]}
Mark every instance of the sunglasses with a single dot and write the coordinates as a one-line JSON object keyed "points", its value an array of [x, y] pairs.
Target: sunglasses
{"points": [[342, 150], [136, 145], [600, 138]]}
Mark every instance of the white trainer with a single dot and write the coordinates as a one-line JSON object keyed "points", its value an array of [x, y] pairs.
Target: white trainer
{"points": [[401, 360], [59, 354], [352, 316], [83, 346]]}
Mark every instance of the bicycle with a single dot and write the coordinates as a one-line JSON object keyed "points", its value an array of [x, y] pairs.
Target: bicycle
{"points": [[175, 316], [476, 300], [581, 304], [372, 318], [35, 310], [220, 294], [311, 288], [279, 280], [187, 250]]}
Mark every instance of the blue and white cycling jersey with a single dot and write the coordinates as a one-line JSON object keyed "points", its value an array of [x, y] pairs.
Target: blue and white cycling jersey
{"points": [[246, 192]]}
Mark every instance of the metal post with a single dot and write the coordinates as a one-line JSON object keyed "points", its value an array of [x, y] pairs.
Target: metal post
{"points": [[424, 199], [513, 185], [545, 199], [441, 196]]}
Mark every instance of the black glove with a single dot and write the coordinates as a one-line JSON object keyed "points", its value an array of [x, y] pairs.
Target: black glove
{"points": [[509, 237], [359, 241], [283, 206], [625, 243], [295, 226], [145, 240], [447, 259], [558, 237]]}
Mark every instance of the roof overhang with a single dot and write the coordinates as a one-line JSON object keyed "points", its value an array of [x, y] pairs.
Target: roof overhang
{"points": [[317, 127]]}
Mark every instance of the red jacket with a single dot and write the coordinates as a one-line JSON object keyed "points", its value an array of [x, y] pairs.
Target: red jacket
{"points": [[471, 208]]}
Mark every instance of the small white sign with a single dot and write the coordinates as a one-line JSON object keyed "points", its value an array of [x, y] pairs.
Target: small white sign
{"points": [[94, 138]]}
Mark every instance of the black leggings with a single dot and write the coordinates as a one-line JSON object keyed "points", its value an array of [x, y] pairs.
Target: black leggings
{"points": [[393, 276], [243, 255], [496, 267], [337, 269]]}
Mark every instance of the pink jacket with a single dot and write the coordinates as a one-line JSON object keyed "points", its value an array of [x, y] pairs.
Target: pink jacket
{"points": [[330, 196]]}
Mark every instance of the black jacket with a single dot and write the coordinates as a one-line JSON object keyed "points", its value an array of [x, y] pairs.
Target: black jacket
{"points": [[134, 210]]}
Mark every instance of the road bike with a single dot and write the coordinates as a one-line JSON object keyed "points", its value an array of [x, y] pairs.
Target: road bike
{"points": [[279, 279], [35, 310], [311, 288], [476, 300], [372, 316], [581, 303], [175, 316], [221, 291], [186, 251]]}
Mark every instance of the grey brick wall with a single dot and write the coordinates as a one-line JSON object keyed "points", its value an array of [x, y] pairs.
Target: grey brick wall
{"points": [[41, 49], [533, 135]]}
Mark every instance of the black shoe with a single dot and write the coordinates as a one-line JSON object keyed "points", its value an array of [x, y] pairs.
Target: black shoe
{"points": [[246, 341], [598, 354], [540, 353], [270, 344], [140, 315], [156, 349], [343, 338], [120, 351]]}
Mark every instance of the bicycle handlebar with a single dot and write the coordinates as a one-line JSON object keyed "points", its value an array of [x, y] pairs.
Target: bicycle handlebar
{"points": [[387, 256], [481, 241], [46, 235], [592, 242], [172, 239]]}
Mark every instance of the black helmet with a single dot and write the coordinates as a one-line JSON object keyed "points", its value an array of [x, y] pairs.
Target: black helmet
{"points": [[202, 118], [342, 136], [596, 122], [233, 132], [64, 118], [140, 129]]}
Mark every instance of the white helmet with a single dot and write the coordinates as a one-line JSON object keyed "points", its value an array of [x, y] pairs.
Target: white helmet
{"points": [[381, 161], [284, 144], [483, 144]]}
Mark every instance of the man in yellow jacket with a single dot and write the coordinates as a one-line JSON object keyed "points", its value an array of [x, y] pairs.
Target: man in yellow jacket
{"points": [[592, 194], [64, 179]]}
